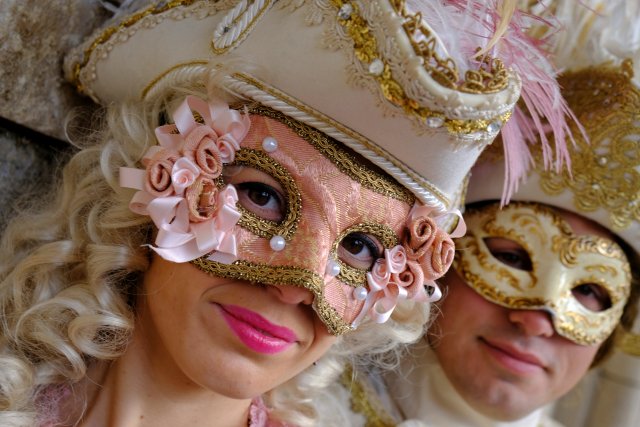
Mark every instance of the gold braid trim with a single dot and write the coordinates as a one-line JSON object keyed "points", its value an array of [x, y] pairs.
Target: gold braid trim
{"points": [[363, 401]]}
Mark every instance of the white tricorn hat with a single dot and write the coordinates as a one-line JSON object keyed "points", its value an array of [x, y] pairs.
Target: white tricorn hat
{"points": [[601, 58], [375, 75]]}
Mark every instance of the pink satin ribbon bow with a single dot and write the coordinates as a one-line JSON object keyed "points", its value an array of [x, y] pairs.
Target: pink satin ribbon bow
{"points": [[177, 188]]}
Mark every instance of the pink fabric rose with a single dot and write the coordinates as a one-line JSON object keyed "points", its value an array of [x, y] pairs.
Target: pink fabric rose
{"points": [[183, 174], [201, 147], [227, 146], [158, 178], [437, 260], [422, 233], [412, 279], [201, 198]]}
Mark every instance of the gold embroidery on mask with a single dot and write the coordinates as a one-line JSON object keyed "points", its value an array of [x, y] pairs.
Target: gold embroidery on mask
{"points": [[346, 162], [616, 293], [260, 226], [354, 276], [605, 169], [572, 325], [470, 243], [570, 246], [279, 275], [491, 293]]}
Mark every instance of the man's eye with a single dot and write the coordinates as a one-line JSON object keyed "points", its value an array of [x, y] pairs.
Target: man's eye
{"points": [[592, 296], [359, 250], [262, 200], [509, 253]]}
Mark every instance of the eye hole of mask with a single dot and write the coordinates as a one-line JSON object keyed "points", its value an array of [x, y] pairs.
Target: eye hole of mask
{"points": [[359, 250], [592, 296], [258, 192], [509, 253]]}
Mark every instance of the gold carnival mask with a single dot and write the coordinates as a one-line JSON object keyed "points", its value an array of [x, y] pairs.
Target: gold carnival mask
{"points": [[558, 272]]}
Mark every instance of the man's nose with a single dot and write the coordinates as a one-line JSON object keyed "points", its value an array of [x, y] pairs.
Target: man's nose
{"points": [[532, 322], [291, 294]]}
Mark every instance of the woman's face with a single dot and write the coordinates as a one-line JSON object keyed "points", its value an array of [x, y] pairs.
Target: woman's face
{"points": [[242, 329], [229, 336]]}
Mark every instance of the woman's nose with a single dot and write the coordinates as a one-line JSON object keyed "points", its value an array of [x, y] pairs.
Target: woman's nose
{"points": [[532, 322], [291, 294]]}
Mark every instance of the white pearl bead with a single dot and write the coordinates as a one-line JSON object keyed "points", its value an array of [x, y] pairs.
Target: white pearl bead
{"points": [[277, 243], [360, 293], [434, 293], [269, 144], [333, 268]]}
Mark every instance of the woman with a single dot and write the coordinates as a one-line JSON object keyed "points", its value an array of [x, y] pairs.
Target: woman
{"points": [[217, 236]]}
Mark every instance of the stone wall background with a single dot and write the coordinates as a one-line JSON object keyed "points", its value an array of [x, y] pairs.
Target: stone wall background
{"points": [[34, 96]]}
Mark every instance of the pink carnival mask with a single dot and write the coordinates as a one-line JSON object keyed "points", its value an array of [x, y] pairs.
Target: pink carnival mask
{"points": [[263, 198]]}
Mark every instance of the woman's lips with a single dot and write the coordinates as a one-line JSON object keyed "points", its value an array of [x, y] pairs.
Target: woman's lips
{"points": [[513, 359], [255, 331]]}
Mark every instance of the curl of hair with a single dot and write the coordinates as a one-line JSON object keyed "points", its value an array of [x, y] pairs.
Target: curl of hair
{"points": [[70, 266]]}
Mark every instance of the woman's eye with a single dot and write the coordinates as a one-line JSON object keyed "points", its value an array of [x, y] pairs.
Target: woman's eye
{"points": [[262, 200], [509, 253], [359, 250], [592, 296]]}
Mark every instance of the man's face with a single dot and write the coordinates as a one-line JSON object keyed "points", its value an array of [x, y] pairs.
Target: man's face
{"points": [[509, 362]]}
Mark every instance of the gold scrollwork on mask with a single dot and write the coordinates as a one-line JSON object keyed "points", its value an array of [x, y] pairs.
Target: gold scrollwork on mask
{"points": [[354, 276], [491, 293], [570, 246], [260, 226], [470, 243], [574, 326], [279, 275], [347, 163]]}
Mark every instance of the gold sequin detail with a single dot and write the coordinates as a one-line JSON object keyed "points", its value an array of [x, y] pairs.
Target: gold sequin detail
{"points": [[346, 162], [362, 401], [279, 275], [354, 276], [260, 226], [605, 169], [491, 77]]}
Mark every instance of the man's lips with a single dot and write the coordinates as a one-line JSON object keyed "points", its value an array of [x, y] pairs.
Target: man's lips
{"points": [[255, 331], [513, 358]]}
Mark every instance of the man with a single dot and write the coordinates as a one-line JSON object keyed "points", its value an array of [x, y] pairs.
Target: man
{"points": [[542, 286]]}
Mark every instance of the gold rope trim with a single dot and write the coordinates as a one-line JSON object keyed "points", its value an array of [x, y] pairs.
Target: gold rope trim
{"points": [[361, 401]]}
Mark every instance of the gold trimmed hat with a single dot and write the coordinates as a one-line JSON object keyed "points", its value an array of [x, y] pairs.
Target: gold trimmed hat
{"points": [[600, 83], [371, 74]]}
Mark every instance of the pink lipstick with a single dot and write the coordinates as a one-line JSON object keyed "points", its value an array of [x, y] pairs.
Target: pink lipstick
{"points": [[255, 331]]}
